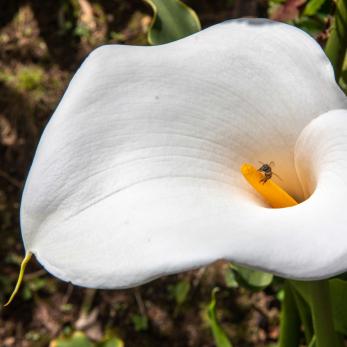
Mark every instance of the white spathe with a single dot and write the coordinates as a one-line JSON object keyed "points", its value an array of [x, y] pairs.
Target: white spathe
{"points": [[137, 173]]}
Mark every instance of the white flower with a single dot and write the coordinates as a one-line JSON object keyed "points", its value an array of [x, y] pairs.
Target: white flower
{"points": [[137, 173]]}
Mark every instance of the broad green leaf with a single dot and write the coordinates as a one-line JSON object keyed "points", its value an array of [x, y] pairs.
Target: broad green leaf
{"points": [[252, 279], [78, 339], [313, 6], [319, 295], [338, 297], [220, 338], [172, 20]]}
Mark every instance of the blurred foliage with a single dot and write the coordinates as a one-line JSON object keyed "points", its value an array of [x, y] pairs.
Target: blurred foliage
{"points": [[140, 322], [312, 7], [30, 78], [180, 291], [311, 16], [336, 45], [79, 339]]}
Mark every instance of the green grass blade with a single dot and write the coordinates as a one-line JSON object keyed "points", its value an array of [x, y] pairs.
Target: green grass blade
{"points": [[220, 338]]}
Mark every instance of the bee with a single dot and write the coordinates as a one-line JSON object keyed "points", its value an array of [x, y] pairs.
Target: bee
{"points": [[266, 169]]}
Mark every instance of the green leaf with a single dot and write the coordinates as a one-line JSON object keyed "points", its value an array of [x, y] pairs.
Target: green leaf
{"points": [[172, 20], [338, 297], [78, 339], [313, 6], [252, 279], [220, 338]]}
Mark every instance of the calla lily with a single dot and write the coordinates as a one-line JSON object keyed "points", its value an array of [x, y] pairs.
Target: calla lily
{"points": [[137, 174]]}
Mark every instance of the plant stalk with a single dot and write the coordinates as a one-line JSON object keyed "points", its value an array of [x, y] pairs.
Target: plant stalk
{"points": [[290, 320], [305, 315]]}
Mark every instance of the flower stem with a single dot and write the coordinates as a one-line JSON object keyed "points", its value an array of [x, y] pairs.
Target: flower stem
{"points": [[305, 315], [322, 315], [318, 295], [336, 45], [290, 320]]}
